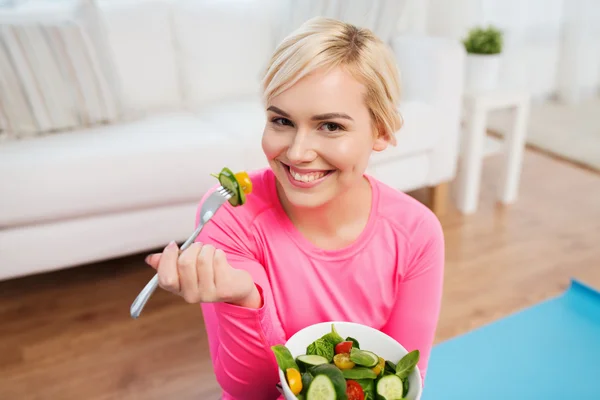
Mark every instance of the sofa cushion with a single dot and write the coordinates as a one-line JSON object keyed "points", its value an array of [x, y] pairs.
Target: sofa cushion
{"points": [[140, 39], [243, 118], [164, 159], [418, 134]]}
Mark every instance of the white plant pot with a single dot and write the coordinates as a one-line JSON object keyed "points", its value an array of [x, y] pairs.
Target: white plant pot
{"points": [[482, 72]]}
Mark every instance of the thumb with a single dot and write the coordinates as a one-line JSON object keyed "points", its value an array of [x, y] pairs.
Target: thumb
{"points": [[153, 260]]}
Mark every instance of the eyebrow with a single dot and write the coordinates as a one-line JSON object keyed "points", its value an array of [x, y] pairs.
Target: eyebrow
{"points": [[319, 117]]}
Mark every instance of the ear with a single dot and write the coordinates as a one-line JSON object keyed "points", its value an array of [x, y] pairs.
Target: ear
{"points": [[382, 141]]}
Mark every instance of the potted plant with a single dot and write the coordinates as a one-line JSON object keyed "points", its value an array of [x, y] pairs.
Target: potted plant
{"points": [[484, 49]]}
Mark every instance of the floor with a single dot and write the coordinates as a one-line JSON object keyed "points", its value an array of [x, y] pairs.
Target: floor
{"points": [[68, 335], [569, 131]]}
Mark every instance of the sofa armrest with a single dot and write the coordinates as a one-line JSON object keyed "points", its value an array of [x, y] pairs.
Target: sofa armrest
{"points": [[432, 71]]}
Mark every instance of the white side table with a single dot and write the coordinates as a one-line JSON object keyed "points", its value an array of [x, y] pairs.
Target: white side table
{"points": [[476, 108]]}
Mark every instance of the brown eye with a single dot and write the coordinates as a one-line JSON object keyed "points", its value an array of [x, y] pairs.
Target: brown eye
{"points": [[281, 121], [331, 127]]}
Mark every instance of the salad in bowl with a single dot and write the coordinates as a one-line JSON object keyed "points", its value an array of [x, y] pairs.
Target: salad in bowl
{"points": [[347, 361]]}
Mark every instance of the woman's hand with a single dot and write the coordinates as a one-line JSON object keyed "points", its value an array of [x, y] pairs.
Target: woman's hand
{"points": [[201, 274]]}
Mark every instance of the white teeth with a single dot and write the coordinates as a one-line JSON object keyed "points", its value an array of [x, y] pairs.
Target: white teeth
{"points": [[307, 177]]}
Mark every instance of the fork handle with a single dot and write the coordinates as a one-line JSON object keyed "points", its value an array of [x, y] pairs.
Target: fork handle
{"points": [[140, 301]]}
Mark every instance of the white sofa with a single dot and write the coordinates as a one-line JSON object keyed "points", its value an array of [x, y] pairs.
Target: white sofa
{"points": [[189, 74]]}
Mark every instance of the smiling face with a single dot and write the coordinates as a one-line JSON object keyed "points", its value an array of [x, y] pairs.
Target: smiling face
{"points": [[319, 136]]}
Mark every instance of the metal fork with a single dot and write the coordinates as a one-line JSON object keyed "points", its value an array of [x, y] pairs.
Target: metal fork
{"points": [[209, 208]]}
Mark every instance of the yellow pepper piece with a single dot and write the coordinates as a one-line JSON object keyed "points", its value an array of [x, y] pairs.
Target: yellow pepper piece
{"points": [[379, 367], [294, 380], [244, 181]]}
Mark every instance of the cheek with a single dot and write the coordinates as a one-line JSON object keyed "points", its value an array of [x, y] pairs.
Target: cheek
{"points": [[349, 156], [271, 144]]}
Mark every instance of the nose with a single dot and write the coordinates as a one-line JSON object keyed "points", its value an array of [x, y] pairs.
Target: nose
{"points": [[301, 150]]}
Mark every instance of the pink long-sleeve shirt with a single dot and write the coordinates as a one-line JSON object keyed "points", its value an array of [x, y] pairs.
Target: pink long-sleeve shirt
{"points": [[390, 278]]}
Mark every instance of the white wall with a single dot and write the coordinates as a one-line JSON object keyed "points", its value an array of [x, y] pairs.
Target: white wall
{"points": [[549, 44]]}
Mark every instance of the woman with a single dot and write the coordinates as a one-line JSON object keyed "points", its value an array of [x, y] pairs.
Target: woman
{"points": [[318, 239]]}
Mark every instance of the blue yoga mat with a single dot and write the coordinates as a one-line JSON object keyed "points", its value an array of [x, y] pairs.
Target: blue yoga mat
{"points": [[548, 351]]}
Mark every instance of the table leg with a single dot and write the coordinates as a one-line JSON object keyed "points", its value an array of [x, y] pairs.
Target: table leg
{"points": [[439, 198], [513, 155], [469, 170]]}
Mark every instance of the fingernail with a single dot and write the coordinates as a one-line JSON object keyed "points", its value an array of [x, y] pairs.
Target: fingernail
{"points": [[147, 260], [171, 245]]}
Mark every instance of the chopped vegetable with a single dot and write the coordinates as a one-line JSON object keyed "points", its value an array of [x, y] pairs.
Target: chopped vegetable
{"points": [[244, 181], [368, 386], [343, 347], [284, 357], [390, 387], [321, 347], [406, 365], [321, 388], [310, 360], [342, 361], [390, 367], [334, 375], [354, 342], [333, 337], [294, 380], [354, 391], [238, 184], [337, 369], [378, 369], [364, 358], [307, 378], [359, 373]]}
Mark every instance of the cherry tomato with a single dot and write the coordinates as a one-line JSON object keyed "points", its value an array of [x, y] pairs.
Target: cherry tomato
{"points": [[343, 347], [342, 361], [354, 391], [294, 380]]}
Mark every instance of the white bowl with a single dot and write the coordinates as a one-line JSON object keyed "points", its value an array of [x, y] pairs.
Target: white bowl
{"points": [[368, 338]]}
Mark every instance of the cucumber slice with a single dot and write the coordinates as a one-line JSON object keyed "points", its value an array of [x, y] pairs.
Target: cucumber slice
{"points": [[321, 388], [390, 387], [359, 373], [227, 180], [311, 360], [334, 374], [365, 358]]}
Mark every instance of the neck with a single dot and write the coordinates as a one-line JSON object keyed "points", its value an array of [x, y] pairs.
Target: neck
{"points": [[337, 223]]}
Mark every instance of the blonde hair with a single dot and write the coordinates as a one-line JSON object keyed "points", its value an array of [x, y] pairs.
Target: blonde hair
{"points": [[328, 43]]}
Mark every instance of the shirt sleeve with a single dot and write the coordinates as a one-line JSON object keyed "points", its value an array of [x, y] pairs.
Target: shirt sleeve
{"points": [[240, 338], [416, 310]]}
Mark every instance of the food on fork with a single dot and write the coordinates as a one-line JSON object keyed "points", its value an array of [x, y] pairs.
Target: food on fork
{"points": [[336, 368], [239, 184]]}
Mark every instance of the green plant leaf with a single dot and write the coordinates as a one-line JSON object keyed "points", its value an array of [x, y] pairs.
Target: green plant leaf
{"points": [[407, 364], [481, 40]]}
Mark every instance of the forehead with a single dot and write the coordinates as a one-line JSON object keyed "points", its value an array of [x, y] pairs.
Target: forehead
{"points": [[322, 92]]}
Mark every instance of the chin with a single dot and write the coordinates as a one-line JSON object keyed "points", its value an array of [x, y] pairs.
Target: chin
{"points": [[306, 200]]}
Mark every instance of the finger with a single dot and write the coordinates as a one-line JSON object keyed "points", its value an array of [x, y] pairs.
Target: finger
{"points": [[222, 273], [204, 265], [153, 260], [168, 278], [188, 277]]}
